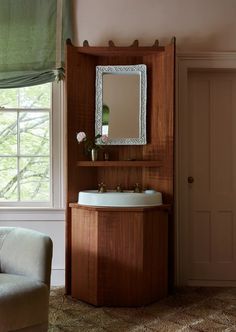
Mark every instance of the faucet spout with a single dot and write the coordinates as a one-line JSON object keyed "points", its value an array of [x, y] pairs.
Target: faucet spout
{"points": [[119, 189], [137, 188], [102, 187]]}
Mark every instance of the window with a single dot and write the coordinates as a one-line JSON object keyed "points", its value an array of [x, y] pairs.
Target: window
{"points": [[26, 150]]}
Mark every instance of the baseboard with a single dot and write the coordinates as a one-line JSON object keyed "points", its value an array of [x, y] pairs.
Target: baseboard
{"points": [[58, 277], [212, 283]]}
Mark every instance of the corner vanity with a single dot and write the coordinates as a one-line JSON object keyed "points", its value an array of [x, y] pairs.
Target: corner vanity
{"points": [[120, 254]]}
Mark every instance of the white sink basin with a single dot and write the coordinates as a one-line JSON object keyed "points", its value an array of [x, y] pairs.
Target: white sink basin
{"points": [[120, 199]]}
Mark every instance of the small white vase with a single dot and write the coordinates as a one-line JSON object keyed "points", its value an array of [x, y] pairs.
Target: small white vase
{"points": [[94, 154]]}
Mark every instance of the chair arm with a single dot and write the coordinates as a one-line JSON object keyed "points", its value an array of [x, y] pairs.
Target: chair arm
{"points": [[25, 252]]}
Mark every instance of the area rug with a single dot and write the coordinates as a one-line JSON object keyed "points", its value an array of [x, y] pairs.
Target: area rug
{"points": [[188, 309]]}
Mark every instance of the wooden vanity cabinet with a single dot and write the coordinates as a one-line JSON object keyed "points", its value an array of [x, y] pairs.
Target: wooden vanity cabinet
{"points": [[119, 256]]}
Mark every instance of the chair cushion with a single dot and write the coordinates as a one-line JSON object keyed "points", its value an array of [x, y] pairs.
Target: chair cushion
{"points": [[23, 302]]}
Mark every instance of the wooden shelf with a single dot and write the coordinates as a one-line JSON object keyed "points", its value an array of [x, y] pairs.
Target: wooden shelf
{"points": [[120, 163]]}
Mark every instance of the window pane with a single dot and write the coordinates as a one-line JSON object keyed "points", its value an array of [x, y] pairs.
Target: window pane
{"points": [[9, 98], [8, 133], [35, 179], [38, 96], [8, 183], [34, 133], [25, 145]]}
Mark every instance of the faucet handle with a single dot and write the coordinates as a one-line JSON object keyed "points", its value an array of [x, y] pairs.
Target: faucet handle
{"points": [[102, 187], [137, 188], [118, 188]]}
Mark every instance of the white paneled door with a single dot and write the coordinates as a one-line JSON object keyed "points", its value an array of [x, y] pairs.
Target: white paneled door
{"points": [[211, 178]]}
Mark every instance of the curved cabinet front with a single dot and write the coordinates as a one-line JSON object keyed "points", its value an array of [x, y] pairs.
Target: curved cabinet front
{"points": [[119, 255]]}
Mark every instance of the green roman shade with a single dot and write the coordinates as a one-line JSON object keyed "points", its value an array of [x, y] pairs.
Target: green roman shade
{"points": [[32, 41]]}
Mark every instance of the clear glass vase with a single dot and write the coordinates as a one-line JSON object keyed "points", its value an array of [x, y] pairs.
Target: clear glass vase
{"points": [[94, 154]]}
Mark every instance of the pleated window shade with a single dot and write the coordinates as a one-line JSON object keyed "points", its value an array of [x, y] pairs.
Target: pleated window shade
{"points": [[32, 41]]}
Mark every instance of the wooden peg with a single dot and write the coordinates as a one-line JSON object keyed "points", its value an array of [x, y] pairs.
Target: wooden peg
{"points": [[111, 43], [156, 43], [135, 43], [68, 41], [85, 43]]}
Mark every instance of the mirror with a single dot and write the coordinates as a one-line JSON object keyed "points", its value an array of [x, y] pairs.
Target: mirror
{"points": [[121, 104]]}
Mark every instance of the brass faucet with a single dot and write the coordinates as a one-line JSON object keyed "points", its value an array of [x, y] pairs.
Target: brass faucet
{"points": [[137, 188], [119, 189], [102, 187]]}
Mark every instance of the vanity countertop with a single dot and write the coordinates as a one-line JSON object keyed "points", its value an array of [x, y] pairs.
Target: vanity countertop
{"points": [[165, 207]]}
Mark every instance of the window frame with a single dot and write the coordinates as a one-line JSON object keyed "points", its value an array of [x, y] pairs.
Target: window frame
{"points": [[56, 158]]}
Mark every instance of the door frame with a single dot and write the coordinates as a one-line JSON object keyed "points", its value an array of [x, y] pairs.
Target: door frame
{"points": [[185, 63]]}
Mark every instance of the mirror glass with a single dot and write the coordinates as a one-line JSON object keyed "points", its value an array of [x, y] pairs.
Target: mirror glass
{"points": [[121, 104]]}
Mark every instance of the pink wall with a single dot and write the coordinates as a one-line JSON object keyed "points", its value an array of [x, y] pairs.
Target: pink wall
{"points": [[199, 25]]}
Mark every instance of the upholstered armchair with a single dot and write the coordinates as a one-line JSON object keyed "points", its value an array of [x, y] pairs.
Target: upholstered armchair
{"points": [[25, 270]]}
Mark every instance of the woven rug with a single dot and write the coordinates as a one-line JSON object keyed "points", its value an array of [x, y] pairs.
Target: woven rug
{"points": [[189, 309]]}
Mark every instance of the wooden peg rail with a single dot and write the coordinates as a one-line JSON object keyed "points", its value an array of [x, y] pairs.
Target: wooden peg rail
{"points": [[134, 44]]}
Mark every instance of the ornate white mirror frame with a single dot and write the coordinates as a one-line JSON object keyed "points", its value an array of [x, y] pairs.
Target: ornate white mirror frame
{"points": [[130, 70]]}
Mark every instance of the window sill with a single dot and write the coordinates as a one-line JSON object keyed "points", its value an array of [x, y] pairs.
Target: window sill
{"points": [[31, 214]]}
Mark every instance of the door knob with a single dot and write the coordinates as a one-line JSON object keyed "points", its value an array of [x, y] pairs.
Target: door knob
{"points": [[190, 179]]}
